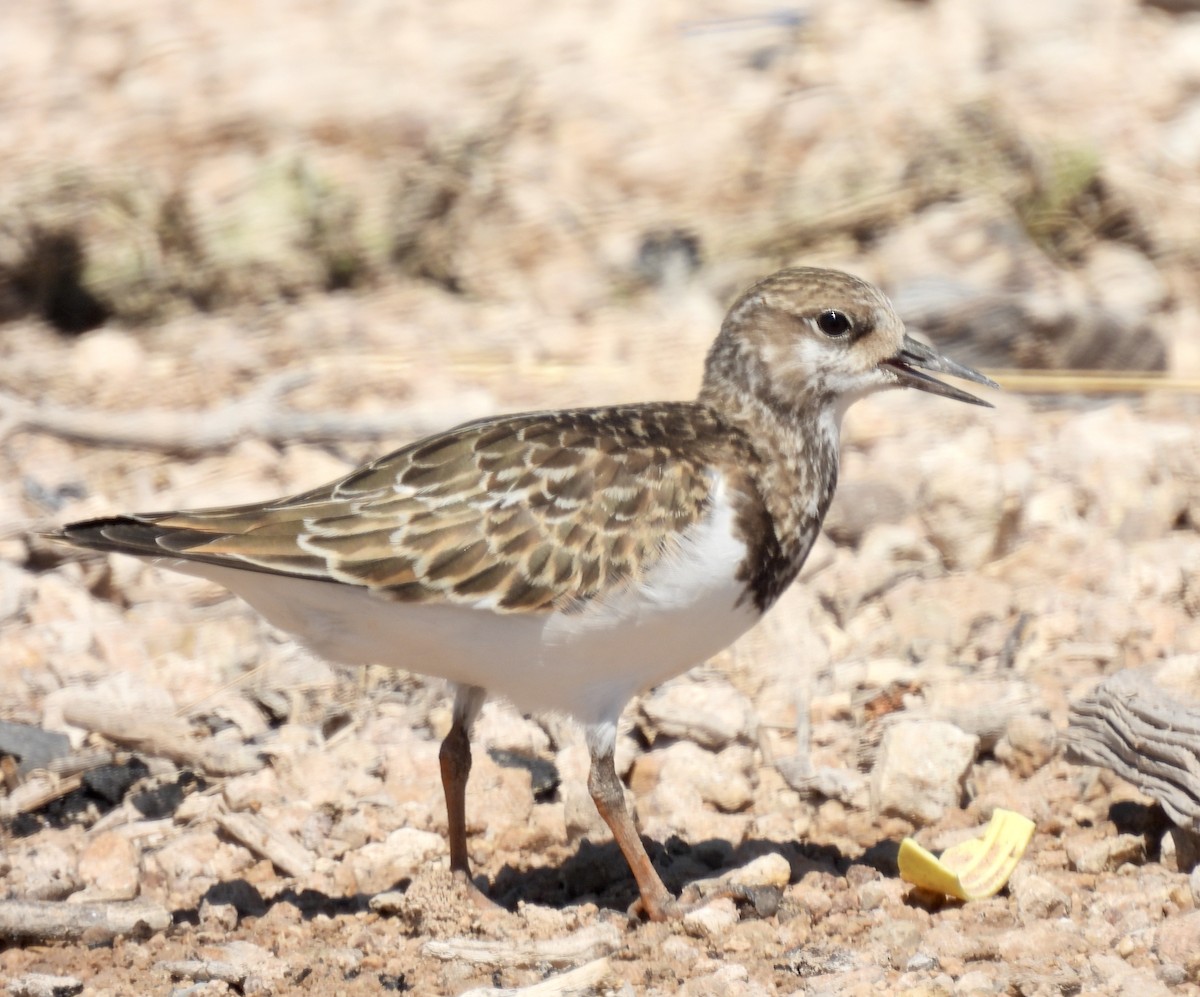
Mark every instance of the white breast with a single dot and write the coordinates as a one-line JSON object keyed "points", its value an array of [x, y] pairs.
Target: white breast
{"points": [[587, 663]]}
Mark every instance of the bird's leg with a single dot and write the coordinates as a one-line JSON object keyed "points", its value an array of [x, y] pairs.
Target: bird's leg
{"points": [[609, 796], [655, 902], [455, 759]]}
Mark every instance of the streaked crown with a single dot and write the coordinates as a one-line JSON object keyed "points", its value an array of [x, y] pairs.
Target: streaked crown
{"points": [[806, 334], [805, 337]]}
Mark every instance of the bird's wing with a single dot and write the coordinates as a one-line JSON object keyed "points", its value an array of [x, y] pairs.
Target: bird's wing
{"points": [[519, 513]]}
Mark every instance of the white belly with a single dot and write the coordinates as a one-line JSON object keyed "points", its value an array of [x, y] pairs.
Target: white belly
{"points": [[587, 663]]}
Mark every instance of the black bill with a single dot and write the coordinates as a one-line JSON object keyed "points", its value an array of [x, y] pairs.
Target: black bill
{"points": [[915, 357]]}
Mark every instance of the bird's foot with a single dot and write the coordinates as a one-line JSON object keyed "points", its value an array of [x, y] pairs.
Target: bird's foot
{"points": [[764, 900], [475, 896]]}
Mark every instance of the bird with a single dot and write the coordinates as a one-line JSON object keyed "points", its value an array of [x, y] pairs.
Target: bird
{"points": [[569, 560]]}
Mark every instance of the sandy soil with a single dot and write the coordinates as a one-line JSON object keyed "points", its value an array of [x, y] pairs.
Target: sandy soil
{"points": [[426, 217]]}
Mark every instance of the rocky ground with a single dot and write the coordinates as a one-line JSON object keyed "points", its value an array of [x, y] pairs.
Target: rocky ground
{"points": [[245, 246]]}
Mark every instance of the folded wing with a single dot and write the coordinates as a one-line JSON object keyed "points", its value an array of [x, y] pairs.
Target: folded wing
{"points": [[519, 514]]}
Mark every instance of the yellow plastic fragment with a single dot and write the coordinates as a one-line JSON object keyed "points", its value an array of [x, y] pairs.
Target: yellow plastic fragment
{"points": [[973, 869]]}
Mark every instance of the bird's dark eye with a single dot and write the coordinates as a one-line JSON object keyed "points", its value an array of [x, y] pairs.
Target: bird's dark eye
{"points": [[834, 323]]}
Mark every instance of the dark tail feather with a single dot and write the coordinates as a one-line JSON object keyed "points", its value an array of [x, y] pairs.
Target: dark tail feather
{"points": [[141, 536], [123, 535]]}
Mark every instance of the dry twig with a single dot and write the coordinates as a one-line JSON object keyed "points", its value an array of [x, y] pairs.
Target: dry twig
{"points": [[55, 921], [287, 855], [35, 792], [587, 943], [258, 414], [161, 736], [593, 978]]}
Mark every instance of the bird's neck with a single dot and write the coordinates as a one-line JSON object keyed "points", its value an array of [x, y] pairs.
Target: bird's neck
{"points": [[795, 474]]}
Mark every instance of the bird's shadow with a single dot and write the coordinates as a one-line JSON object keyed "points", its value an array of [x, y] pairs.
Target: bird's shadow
{"points": [[595, 873], [248, 901], [598, 873]]}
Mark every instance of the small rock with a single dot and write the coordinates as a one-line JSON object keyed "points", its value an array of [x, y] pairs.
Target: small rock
{"points": [[680, 950], [813, 899], [249, 968], [193, 855], [346, 959], [382, 864], [921, 769], [730, 980], [1029, 743], [110, 867], [728, 785], [1126, 947], [900, 939], [1084, 815], [35, 747], [964, 501], [107, 357], [874, 894], [1178, 943], [1172, 974], [1037, 898], [847, 786], [938, 616], [44, 985], [711, 712], [766, 870], [722, 779], [922, 962], [712, 920], [218, 917], [1117, 975], [975, 984], [47, 867], [389, 902], [1106, 854]]}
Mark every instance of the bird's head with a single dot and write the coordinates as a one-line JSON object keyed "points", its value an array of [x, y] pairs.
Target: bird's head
{"points": [[810, 336]]}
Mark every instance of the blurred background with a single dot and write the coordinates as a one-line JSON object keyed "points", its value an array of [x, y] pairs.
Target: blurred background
{"points": [[527, 171], [245, 245]]}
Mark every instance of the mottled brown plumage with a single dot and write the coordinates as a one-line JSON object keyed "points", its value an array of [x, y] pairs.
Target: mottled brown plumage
{"points": [[539, 511], [568, 559]]}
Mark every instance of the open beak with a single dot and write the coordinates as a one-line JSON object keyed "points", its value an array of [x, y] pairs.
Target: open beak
{"points": [[915, 357]]}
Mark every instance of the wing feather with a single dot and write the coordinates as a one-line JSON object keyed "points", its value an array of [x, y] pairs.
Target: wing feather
{"points": [[522, 513]]}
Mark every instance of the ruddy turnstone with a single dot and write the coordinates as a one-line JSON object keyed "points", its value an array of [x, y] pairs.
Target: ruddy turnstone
{"points": [[568, 560]]}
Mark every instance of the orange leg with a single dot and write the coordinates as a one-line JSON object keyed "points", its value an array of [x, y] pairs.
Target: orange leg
{"points": [[655, 902], [455, 759], [609, 796]]}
